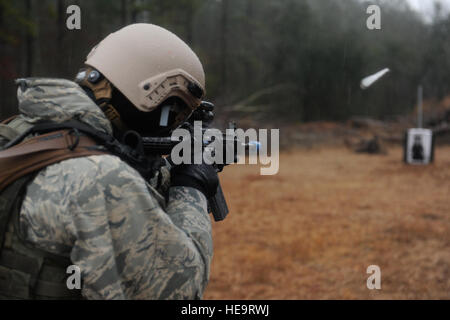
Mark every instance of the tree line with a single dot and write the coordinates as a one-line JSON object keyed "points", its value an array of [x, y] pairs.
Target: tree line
{"points": [[300, 60]]}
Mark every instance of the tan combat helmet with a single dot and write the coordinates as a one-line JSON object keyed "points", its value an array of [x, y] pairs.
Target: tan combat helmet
{"points": [[149, 64]]}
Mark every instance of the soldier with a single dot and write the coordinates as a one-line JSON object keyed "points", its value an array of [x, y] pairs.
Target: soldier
{"points": [[133, 234]]}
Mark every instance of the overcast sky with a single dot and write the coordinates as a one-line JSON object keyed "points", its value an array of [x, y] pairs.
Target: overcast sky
{"points": [[426, 6]]}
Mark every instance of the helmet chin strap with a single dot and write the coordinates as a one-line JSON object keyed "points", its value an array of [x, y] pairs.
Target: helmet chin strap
{"points": [[114, 116], [101, 90]]}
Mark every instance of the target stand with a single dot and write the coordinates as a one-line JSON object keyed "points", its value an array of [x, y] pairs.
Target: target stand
{"points": [[418, 146]]}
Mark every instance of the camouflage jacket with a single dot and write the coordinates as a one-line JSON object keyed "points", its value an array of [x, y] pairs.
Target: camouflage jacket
{"points": [[127, 240]]}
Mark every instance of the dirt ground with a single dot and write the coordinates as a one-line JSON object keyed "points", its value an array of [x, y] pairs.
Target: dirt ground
{"points": [[311, 231]]}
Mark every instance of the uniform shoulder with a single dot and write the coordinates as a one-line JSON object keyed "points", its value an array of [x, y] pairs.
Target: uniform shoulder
{"points": [[103, 169]]}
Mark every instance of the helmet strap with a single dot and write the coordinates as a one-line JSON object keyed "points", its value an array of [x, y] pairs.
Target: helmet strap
{"points": [[113, 116]]}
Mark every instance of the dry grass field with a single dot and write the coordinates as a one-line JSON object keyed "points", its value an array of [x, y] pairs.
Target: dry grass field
{"points": [[311, 231]]}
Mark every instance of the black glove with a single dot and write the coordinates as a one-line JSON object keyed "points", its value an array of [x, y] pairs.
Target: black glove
{"points": [[202, 177]]}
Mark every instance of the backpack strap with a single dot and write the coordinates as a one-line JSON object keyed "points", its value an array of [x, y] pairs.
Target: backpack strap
{"points": [[131, 152], [43, 150], [50, 147], [8, 120]]}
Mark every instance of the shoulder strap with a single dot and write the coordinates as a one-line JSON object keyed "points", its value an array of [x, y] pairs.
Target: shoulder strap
{"points": [[16, 150], [131, 153], [8, 120], [41, 151]]}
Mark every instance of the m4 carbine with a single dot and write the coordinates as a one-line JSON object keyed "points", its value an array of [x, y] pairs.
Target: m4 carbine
{"points": [[217, 204]]}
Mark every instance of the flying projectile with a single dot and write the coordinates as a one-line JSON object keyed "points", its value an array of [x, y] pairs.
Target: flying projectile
{"points": [[370, 80]]}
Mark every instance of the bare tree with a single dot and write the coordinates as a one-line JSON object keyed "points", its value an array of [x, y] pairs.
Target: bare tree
{"points": [[61, 31], [124, 12], [224, 46], [29, 39]]}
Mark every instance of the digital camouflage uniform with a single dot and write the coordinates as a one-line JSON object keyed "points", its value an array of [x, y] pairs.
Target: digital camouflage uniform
{"points": [[129, 240]]}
